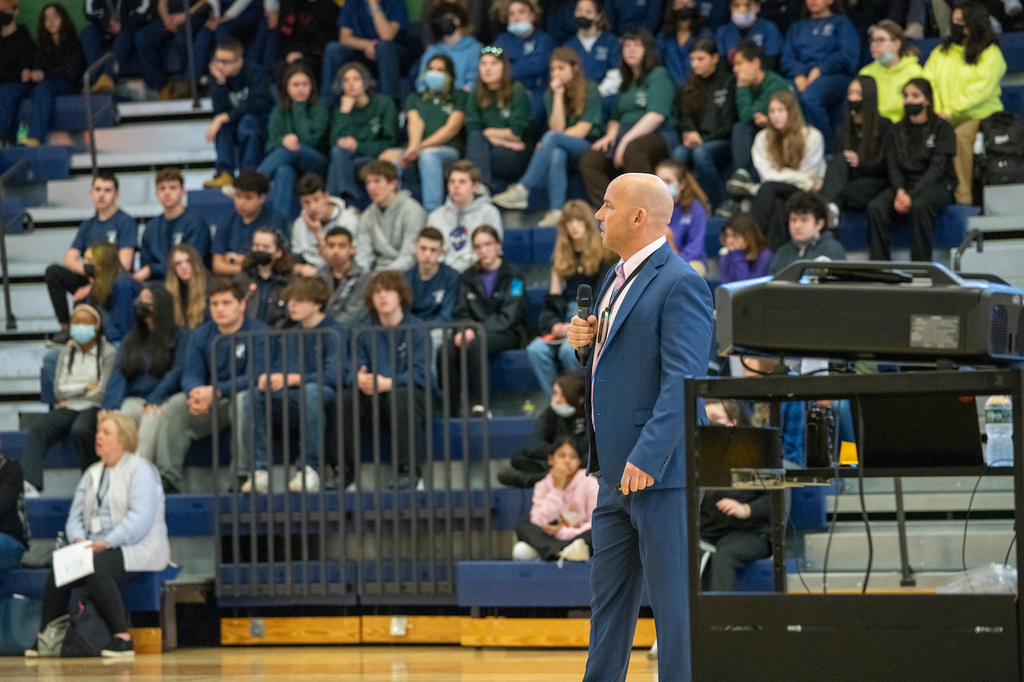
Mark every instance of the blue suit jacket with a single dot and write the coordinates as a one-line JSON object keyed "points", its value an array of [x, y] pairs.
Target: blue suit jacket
{"points": [[661, 335]]}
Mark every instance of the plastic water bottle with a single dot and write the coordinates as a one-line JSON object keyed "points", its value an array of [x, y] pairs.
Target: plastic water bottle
{"points": [[528, 408], [22, 133], [999, 431]]}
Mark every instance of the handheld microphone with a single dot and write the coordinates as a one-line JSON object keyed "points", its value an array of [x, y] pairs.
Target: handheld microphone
{"points": [[584, 301]]}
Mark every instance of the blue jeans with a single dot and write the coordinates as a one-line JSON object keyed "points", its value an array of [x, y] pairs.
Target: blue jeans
{"points": [[431, 167], [341, 176], [11, 95], [316, 416], [43, 97], [707, 160], [242, 28], [508, 164], [247, 134], [389, 67], [95, 42], [150, 43], [10, 552], [821, 103], [544, 358], [282, 167], [549, 161]]}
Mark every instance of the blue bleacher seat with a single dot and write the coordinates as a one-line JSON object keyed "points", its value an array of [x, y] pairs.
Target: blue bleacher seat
{"points": [[142, 593], [949, 229], [48, 162], [535, 298], [511, 373], [712, 243], [211, 204], [13, 207], [1013, 99], [543, 244], [516, 245], [69, 112]]}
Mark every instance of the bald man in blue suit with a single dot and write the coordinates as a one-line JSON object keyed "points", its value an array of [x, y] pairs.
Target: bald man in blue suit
{"points": [[655, 333]]}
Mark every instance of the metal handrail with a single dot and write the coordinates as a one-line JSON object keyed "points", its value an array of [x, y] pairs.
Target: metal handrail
{"points": [[19, 165], [90, 115], [193, 85], [974, 235]]}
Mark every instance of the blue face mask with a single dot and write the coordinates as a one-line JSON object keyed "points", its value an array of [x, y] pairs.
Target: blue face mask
{"points": [[83, 333], [562, 410], [885, 58], [435, 80], [520, 28], [674, 191]]}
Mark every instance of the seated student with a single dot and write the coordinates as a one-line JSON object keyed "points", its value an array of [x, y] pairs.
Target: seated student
{"points": [[266, 271], [573, 105], [241, 107], [372, 32], [110, 224], [312, 371], [598, 50], [755, 87], [320, 214], [820, 57], [177, 225], [789, 157], [187, 414], [689, 223], [387, 229], [365, 124], [893, 65], [112, 28], [737, 522], [119, 507], [919, 154], [579, 258], [346, 280], [747, 255], [807, 241], [234, 232], [563, 506], [636, 138], [17, 51], [112, 290], [706, 106], [965, 72], [82, 371], [186, 283], [435, 285], [499, 140], [563, 417], [858, 171], [435, 121], [681, 28], [148, 367], [304, 30], [295, 137], [58, 69], [630, 15], [14, 531], [450, 24], [492, 294], [746, 24], [466, 208], [151, 42], [388, 299], [528, 50]]}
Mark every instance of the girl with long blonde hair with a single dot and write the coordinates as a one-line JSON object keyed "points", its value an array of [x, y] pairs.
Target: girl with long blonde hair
{"points": [[186, 283]]}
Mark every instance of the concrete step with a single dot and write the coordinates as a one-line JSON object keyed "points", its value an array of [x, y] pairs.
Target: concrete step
{"points": [[881, 580], [11, 413], [1003, 200], [29, 301], [21, 359], [925, 502], [931, 545], [40, 246], [137, 188], [65, 214], [150, 144], [930, 484], [176, 108]]}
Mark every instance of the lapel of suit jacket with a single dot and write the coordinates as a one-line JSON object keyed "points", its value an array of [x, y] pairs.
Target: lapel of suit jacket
{"points": [[636, 288]]}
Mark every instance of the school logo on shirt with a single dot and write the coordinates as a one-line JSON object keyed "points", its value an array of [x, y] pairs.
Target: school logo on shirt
{"points": [[529, 47], [640, 99], [601, 54], [758, 38], [236, 98], [375, 125], [240, 351], [447, 108], [930, 142], [721, 96], [111, 236], [177, 237], [506, 112], [825, 30], [458, 238], [438, 296]]}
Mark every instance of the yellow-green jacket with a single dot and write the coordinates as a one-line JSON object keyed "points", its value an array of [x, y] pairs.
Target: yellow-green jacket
{"points": [[966, 91], [890, 82]]}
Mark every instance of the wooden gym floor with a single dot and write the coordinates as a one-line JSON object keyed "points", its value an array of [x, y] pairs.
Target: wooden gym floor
{"points": [[345, 663]]}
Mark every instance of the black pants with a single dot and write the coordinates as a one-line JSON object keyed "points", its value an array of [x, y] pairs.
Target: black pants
{"points": [[548, 546], [642, 155], [496, 343], [103, 590], [769, 210], [408, 459], [734, 552], [524, 470], [60, 282], [50, 430], [924, 211], [848, 189]]}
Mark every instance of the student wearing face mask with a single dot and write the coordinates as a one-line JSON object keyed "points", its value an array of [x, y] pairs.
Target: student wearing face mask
{"points": [[450, 24], [528, 50], [689, 221], [893, 66], [966, 71], [266, 271], [681, 28], [598, 50], [747, 24]]}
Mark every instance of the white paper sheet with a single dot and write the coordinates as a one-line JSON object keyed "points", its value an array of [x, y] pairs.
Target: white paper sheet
{"points": [[72, 562]]}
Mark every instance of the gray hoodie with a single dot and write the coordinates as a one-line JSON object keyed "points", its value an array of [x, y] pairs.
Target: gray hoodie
{"points": [[457, 227], [303, 241], [387, 238]]}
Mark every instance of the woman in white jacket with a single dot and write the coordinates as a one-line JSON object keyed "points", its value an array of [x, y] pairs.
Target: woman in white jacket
{"points": [[119, 508], [789, 156]]}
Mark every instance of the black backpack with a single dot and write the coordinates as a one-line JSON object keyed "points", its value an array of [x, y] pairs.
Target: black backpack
{"points": [[1003, 160], [82, 634]]}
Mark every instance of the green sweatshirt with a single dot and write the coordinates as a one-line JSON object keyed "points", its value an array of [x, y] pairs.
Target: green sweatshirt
{"points": [[655, 95], [965, 91], [308, 122], [374, 127], [890, 80], [751, 99], [435, 112], [515, 116], [591, 112]]}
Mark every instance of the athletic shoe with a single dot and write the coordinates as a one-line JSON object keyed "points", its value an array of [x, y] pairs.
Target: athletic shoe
{"points": [[833, 217], [728, 209], [295, 485], [652, 655], [30, 142], [262, 479], [513, 197], [103, 84], [478, 411], [118, 648], [550, 218], [222, 180], [33, 652], [31, 492], [914, 31], [740, 184], [577, 550], [524, 552]]}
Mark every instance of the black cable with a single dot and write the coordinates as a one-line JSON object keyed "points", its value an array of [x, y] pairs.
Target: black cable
{"points": [[828, 545], [967, 519], [863, 506], [1006, 559]]}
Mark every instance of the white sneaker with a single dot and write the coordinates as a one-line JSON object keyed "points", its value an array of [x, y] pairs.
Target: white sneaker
{"points": [[577, 550], [513, 197], [550, 218], [652, 655], [31, 492], [262, 482], [312, 481], [524, 552], [833, 217]]}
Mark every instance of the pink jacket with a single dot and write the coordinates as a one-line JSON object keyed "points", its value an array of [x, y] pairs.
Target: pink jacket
{"points": [[576, 504]]}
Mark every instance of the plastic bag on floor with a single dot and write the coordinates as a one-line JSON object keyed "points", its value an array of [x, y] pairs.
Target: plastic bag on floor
{"points": [[991, 579]]}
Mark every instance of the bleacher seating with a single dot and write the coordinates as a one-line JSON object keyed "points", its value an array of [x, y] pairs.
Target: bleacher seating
{"points": [[69, 112], [949, 229], [143, 593]]}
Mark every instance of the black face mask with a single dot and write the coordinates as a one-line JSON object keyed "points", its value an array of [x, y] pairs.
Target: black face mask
{"points": [[261, 258], [447, 26], [6, 18], [90, 270], [956, 32], [584, 23], [142, 310], [913, 109], [853, 107], [685, 14]]}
